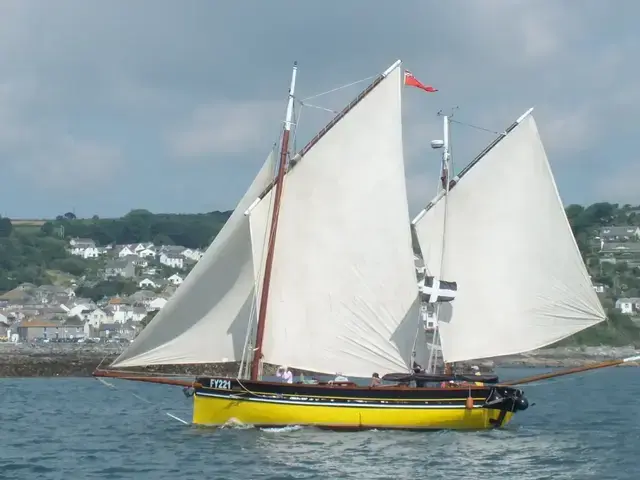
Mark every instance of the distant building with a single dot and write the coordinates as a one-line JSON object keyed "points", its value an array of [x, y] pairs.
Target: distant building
{"points": [[619, 234], [37, 329], [628, 306], [120, 268], [599, 287], [172, 260]]}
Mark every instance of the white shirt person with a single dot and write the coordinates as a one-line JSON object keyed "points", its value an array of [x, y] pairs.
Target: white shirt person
{"points": [[284, 373]]}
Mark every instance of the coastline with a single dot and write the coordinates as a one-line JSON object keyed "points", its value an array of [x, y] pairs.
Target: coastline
{"points": [[80, 360]]}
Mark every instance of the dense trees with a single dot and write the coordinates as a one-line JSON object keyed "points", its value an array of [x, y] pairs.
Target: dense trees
{"points": [[29, 255], [5, 227], [621, 279], [189, 230], [28, 258]]}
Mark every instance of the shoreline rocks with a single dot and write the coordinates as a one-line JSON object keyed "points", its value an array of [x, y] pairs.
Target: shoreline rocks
{"points": [[80, 360]]}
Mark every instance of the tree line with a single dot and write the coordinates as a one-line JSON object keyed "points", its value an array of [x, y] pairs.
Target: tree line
{"points": [[188, 230], [29, 254]]}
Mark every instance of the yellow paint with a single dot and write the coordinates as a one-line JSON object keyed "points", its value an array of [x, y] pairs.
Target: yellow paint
{"points": [[218, 411]]}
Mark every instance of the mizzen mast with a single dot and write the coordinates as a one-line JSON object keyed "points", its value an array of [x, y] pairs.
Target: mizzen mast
{"points": [[443, 190], [279, 184]]}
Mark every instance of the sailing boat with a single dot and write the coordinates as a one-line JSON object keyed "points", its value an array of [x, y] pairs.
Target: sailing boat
{"points": [[337, 291]]}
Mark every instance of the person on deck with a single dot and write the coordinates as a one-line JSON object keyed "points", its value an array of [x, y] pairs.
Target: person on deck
{"points": [[285, 374], [417, 370], [375, 380], [476, 371]]}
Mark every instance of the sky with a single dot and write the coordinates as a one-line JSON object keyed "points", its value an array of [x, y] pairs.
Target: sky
{"points": [[173, 106]]}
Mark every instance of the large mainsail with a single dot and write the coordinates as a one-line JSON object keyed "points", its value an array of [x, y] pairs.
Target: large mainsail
{"points": [[343, 294], [206, 320], [522, 283]]}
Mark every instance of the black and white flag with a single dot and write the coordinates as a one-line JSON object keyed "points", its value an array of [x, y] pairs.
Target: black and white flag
{"points": [[436, 290]]}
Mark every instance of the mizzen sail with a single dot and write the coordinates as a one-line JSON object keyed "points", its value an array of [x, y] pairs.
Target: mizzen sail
{"points": [[343, 293], [521, 280], [206, 320]]}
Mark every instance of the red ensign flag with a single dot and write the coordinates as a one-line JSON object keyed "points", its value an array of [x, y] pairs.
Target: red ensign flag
{"points": [[412, 81]]}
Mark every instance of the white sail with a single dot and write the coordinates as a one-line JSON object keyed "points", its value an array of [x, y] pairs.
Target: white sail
{"points": [[343, 293], [206, 320], [522, 283]]}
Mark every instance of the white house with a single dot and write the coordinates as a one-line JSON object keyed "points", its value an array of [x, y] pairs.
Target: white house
{"points": [[138, 247], [127, 313], [599, 288], [82, 242], [618, 234], [175, 279], [157, 304], [628, 306], [192, 254], [125, 251], [90, 252], [77, 310], [97, 317], [147, 283], [146, 253], [83, 247], [172, 260]]}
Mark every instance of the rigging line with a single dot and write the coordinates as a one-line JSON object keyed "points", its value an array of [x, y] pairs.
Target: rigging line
{"points": [[464, 124], [340, 88], [304, 104], [256, 289], [296, 122], [150, 374], [254, 303], [144, 400]]}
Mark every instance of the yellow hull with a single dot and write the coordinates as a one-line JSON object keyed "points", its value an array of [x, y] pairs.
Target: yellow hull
{"points": [[217, 411]]}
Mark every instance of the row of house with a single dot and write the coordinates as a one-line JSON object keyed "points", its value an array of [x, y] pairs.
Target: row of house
{"points": [[619, 244], [65, 330], [170, 255], [42, 311]]}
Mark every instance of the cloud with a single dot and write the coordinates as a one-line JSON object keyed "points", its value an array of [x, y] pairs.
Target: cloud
{"points": [[42, 151], [225, 127], [98, 93], [620, 184]]}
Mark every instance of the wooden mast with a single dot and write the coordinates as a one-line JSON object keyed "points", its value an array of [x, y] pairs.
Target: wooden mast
{"points": [[279, 184]]}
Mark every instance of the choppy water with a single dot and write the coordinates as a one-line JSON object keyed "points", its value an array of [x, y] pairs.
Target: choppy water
{"points": [[581, 427]]}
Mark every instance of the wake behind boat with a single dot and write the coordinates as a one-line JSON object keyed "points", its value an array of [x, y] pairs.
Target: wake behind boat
{"points": [[315, 269]]}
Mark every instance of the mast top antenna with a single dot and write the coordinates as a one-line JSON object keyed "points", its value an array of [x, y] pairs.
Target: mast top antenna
{"points": [[450, 115]]}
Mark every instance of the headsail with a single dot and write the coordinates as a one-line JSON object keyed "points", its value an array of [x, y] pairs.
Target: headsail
{"points": [[343, 288], [206, 320], [522, 283]]}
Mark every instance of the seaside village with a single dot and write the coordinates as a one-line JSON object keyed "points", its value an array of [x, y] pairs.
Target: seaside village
{"points": [[54, 313]]}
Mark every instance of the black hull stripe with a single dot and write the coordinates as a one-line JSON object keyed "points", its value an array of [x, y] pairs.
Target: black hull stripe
{"points": [[405, 394], [356, 404]]}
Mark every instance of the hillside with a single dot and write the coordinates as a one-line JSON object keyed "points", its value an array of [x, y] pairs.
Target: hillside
{"points": [[36, 251]]}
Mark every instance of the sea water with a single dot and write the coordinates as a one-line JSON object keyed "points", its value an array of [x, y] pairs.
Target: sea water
{"points": [[579, 427]]}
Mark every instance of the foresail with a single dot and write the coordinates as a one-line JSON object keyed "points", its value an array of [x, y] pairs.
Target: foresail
{"points": [[521, 281], [343, 293], [206, 320]]}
